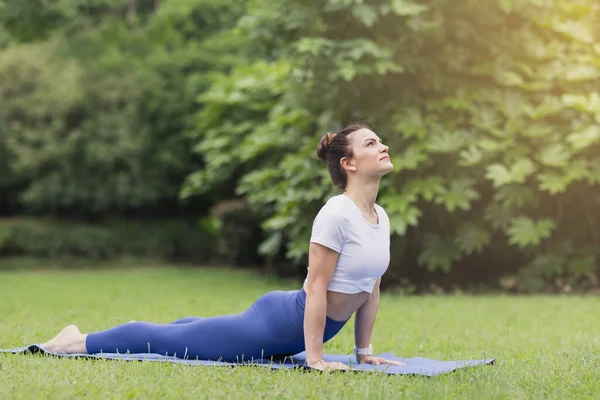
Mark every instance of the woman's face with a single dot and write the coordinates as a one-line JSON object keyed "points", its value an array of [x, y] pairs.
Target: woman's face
{"points": [[370, 156]]}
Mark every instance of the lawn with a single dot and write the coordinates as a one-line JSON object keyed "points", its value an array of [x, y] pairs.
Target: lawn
{"points": [[546, 347]]}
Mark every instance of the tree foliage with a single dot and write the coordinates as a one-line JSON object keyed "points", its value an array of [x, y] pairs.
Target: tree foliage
{"points": [[95, 121], [491, 111]]}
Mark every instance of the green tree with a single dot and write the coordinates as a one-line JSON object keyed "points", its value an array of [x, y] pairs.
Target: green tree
{"points": [[96, 119], [490, 109]]}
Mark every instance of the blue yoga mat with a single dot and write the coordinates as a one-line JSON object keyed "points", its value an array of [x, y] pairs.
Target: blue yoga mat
{"points": [[414, 366]]}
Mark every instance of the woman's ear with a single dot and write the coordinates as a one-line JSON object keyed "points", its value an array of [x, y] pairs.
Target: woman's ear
{"points": [[347, 164]]}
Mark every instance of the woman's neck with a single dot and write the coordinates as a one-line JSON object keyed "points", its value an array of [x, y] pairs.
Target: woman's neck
{"points": [[364, 194]]}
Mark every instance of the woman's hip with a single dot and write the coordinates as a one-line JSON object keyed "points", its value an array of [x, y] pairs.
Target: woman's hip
{"points": [[284, 312]]}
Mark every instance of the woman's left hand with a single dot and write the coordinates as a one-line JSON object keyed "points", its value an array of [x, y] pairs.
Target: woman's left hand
{"points": [[377, 361]]}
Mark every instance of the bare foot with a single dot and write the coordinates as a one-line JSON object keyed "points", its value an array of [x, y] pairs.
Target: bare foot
{"points": [[69, 340]]}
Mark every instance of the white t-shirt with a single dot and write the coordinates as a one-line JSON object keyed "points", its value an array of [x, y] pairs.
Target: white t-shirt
{"points": [[364, 247]]}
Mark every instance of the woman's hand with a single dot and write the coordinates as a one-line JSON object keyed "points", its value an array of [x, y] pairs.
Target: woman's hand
{"points": [[328, 366], [363, 359]]}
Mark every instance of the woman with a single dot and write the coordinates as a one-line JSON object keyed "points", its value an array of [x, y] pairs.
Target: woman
{"points": [[348, 254]]}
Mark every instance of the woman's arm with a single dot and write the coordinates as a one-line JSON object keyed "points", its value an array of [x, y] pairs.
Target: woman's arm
{"points": [[363, 328], [321, 261], [365, 319]]}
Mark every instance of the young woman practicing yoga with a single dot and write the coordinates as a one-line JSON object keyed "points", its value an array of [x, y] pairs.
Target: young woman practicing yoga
{"points": [[349, 252]]}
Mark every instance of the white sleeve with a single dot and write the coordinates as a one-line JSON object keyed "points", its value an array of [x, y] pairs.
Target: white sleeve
{"points": [[328, 229]]}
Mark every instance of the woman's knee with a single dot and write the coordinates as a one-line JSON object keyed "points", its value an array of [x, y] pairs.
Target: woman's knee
{"points": [[185, 320]]}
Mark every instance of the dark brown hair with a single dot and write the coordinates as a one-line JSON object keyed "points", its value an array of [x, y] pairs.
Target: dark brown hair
{"points": [[335, 146]]}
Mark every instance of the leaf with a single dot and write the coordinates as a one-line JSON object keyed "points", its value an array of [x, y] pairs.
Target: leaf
{"points": [[438, 253], [552, 182], [550, 106], [498, 215], [337, 5], [500, 175], [521, 169], [356, 49], [524, 231], [536, 86], [278, 222], [577, 10], [511, 103], [589, 104], [582, 266], [429, 187], [366, 13], [409, 123], [541, 268], [582, 73], [446, 142], [554, 155], [314, 45], [459, 195], [578, 170], [410, 158], [506, 6], [384, 66], [485, 118], [401, 210], [585, 138], [576, 30], [399, 202], [508, 78], [404, 8], [491, 145], [271, 245], [515, 196], [471, 238], [400, 221], [346, 70], [470, 156], [593, 177], [537, 130]]}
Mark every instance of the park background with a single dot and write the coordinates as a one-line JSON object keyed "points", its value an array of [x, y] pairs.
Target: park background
{"points": [[141, 131]]}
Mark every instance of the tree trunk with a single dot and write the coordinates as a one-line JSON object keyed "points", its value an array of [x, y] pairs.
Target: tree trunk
{"points": [[132, 10]]}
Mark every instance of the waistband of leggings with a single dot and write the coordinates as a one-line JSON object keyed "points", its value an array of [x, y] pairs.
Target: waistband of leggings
{"points": [[301, 301]]}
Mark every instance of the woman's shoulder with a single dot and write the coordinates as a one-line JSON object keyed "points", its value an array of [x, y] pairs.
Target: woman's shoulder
{"points": [[381, 212], [339, 200], [379, 208], [342, 206], [334, 209], [335, 205]]}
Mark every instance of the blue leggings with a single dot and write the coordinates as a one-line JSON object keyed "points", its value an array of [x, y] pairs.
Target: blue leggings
{"points": [[272, 326]]}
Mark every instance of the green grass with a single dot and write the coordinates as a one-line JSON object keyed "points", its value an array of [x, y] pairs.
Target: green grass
{"points": [[546, 347]]}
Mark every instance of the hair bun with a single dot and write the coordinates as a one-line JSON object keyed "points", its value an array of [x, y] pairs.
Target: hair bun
{"points": [[330, 137], [324, 144]]}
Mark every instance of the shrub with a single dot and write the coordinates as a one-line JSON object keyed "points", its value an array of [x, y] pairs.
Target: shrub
{"points": [[49, 238]]}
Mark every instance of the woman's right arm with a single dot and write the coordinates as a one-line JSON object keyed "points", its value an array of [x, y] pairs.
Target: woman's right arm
{"points": [[322, 262]]}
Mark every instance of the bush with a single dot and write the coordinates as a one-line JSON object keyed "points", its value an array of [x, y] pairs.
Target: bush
{"points": [[49, 238], [491, 111], [238, 231]]}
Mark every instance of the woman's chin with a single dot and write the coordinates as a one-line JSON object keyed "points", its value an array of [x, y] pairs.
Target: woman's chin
{"points": [[384, 171], [388, 167]]}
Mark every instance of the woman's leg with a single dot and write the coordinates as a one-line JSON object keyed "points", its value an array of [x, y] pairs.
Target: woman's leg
{"points": [[271, 325], [71, 340], [185, 320], [227, 336], [68, 341]]}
